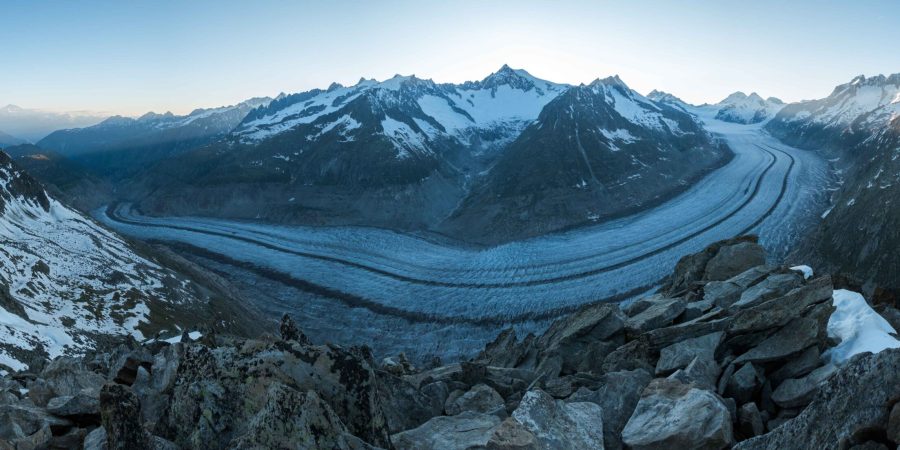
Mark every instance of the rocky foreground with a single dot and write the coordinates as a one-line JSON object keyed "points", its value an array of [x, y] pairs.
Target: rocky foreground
{"points": [[731, 352]]}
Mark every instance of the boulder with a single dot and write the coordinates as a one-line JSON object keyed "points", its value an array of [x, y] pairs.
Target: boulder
{"points": [[774, 285], [512, 435], [853, 403], [797, 392], [734, 259], [463, 431], [481, 398], [702, 372], [661, 313], [560, 425], [504, 351], [567, 338], [24, 422], [806, 362], [893, 426], [121, 413], [636, 354], [750, 420], [691, 270], [743, 385], [617, 396], [671, 414], [680, 354], [69, 376], [406, 407], [725, 293], [82, 408], [780, 311], [799, 334]]}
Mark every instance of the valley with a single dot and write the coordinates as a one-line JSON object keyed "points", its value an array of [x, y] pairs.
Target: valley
{"points": [[407, 286]]}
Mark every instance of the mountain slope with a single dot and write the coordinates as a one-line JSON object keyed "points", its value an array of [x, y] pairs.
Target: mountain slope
{"points": [[398, 153], [66, 283], [858, 126], [595, 152]]}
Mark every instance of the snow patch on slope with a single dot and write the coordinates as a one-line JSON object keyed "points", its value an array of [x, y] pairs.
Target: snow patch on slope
{"points": [[859, 328]]}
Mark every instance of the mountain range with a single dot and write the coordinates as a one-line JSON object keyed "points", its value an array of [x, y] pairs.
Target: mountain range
{"points": [[412, 154]]}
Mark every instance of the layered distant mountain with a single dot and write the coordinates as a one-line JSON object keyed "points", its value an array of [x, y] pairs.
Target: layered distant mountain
{"points": [[33, 124], [7, 140], [120, 145], [858, 126]]}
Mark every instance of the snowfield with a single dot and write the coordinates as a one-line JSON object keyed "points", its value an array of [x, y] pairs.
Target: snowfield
{"points": [[768, 188]]}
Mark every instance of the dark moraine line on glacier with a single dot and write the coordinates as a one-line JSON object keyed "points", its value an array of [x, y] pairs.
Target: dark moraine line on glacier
{"points": [[784, 186], [113, 213], [380, 308]]}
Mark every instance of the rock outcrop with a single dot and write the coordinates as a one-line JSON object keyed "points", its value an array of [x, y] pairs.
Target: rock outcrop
{"points": [[730, 352]]}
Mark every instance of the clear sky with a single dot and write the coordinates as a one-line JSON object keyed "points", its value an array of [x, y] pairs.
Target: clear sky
{"points": [[129, 57]]}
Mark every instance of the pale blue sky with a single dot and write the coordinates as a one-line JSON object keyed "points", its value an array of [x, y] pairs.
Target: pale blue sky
{"points": [[129, 57]]}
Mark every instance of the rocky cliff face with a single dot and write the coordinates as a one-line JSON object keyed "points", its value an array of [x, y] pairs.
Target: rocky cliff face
{"points": [[730, 352]]}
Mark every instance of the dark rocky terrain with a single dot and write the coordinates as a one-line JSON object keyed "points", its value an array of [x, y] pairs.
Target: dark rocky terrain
{"points": [[729, 353]]}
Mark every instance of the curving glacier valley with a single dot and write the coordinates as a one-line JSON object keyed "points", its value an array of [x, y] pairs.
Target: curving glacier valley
{"points": [[429, 296]]}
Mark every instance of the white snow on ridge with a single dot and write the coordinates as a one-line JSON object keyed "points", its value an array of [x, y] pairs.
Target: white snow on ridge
{"points": [[70, 277], [405, 139], [858, 327]]}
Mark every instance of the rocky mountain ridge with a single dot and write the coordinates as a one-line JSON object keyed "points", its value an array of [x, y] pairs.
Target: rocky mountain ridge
{"points": [[858, 128], [731, 352], [67, 284]]}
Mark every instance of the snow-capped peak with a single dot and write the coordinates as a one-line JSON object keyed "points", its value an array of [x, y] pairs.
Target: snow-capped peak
{"points": [[742, 108]]}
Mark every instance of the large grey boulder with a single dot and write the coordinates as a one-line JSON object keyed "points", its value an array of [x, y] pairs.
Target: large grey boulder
{"points": [[671, 414], [121, 412], [617, 397], [797, 392], [560, 425], [463, 431], [856, 402], [703, 372], [680, 354], [569, 337], [69, 376], [481, 398], [692, 270], [744, 383], [660, 313], [26, 423], [732, 260], [83, 407], [795, 337], [774, 285], [781, 310], [407, 407]]}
